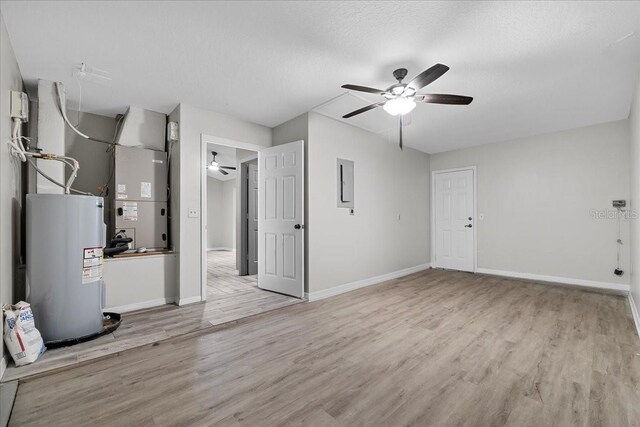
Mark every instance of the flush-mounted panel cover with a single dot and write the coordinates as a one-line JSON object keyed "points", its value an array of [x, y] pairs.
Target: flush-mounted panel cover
{"points": [[345, 183]]}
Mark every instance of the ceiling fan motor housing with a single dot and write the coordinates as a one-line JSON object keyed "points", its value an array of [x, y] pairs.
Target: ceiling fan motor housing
{"points": [[400, 74]]}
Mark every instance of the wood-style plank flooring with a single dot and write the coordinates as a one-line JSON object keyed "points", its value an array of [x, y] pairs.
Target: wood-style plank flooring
{"points": [[229, 298], [223, 278], [435, 348]]}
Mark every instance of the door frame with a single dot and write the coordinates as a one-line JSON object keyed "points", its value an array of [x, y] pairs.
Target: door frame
{"points": [[204, 140], [244, 226], [475, 213]]}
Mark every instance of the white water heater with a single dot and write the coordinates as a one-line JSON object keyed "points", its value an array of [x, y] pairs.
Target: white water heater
{"points": [[65, 237]]}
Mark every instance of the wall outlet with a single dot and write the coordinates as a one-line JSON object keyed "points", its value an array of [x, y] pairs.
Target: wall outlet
{"points": [[193, 213]]}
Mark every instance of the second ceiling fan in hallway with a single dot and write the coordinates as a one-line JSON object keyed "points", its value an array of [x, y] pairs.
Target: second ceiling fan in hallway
{"points": [[215, 166]]}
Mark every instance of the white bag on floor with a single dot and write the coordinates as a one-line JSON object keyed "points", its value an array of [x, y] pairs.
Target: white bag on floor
{"points": [[22, 338]]}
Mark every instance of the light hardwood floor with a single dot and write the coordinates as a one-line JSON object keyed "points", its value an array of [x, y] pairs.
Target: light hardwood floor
{"points": [[223, 279], [229, 298], [434, 348]]}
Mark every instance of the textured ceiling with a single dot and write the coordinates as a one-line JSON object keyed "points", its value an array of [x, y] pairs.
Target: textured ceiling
{"points": [[532, 67]]}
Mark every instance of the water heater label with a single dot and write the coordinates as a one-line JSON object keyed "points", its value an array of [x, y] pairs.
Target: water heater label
{"points": [[122, 188], [145, 190], [130, 211], [92, 260]]}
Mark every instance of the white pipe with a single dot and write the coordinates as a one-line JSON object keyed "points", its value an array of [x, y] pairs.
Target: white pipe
{"points": [[63, 107], [18, 150], [63, 110]]}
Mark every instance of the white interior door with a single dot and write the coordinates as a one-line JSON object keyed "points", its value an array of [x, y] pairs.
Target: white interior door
{"points": [[280, 219], [454, 220]]}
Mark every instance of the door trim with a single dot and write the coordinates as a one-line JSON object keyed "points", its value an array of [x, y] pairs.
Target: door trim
{"points": [[204, 140], [475, 213]]}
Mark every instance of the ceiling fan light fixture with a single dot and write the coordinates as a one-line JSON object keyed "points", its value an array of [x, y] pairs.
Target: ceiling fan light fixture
{"points": [[214, 166], [399, 106], [409, 91], [397, 90]]}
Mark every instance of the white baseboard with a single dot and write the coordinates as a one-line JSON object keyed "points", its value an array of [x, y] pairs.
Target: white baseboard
{"points": [[340, 289], [634, 312], [191, 300], [140, 305], [219, 249], [3, 364], [617, 287]]}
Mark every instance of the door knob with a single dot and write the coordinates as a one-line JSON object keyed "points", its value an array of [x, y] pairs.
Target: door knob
{"points": [[298, 226], [469, 225]]}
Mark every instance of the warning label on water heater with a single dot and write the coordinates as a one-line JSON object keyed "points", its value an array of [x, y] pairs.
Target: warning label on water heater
{"points": [[92, 260]]}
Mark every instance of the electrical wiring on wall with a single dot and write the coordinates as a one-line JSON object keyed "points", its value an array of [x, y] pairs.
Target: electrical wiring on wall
{"points": [[18, 150]]}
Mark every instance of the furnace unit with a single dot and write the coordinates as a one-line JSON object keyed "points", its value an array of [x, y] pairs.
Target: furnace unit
{"points": [[140, 197]]}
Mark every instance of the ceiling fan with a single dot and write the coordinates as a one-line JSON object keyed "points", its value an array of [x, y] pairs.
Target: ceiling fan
{"points": [[215, 166], [401, 97]]}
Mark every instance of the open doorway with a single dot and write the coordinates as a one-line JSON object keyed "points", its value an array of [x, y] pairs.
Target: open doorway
{"points": [[230, 235], [232, 187]]}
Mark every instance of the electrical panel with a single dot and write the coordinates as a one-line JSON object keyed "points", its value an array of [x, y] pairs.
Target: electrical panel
{"points": [[345, 183], [140, 196]]}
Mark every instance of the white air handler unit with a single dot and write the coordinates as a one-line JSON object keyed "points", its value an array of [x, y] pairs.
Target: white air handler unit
{"points": [[65, 237]]}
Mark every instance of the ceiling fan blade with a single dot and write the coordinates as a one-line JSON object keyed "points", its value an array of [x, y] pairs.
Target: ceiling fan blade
{"points": [[428, 76], [362, 110], [223, 172], [400, 132], [436, 98], [228, 167], [363, 89]]}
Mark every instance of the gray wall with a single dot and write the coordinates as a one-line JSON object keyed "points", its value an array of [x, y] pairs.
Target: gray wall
{"points": [[95, 161], [134, 283], [185, 184], [295, 129], [537, 194], [388, 182], [10, 178], [634, 121], [221, 221]]}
